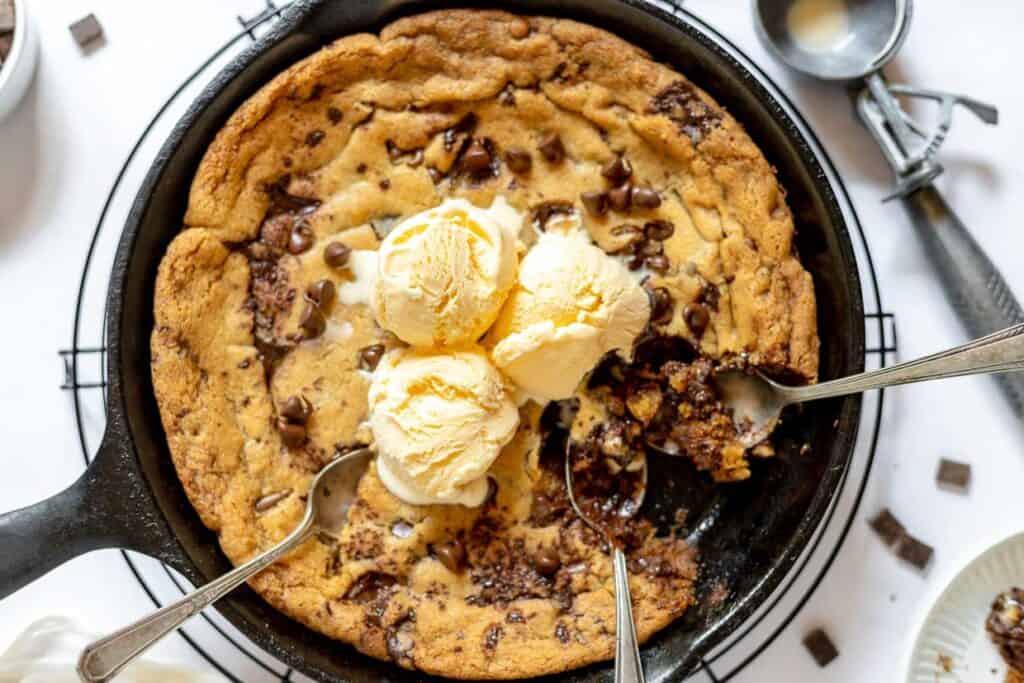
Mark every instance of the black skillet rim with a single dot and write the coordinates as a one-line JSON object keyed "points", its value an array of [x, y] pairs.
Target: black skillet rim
{"points": [[291, 20]]}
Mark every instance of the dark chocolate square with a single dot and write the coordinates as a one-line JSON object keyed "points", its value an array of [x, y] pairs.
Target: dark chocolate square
{"points": [[915, 552], [86, 30], [821, 647], [954, 474], [888, 527]]}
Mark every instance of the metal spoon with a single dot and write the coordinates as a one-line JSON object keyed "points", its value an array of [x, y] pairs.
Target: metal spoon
{"points": [[331, 494], [974, 287], [628, 667], [756, 401]]}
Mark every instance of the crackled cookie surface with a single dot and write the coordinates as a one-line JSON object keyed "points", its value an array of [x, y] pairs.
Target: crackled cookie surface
{"points": [[264, 341]]}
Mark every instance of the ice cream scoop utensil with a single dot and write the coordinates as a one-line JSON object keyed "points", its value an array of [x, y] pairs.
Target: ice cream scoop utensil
{"points": [[628, 667], [331, 494], [757, 401], [875, 31]]}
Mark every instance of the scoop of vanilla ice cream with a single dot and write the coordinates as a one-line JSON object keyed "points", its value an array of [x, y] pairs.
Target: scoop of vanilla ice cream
{"points": [[573, 303], [439, 419], [443, 274]]}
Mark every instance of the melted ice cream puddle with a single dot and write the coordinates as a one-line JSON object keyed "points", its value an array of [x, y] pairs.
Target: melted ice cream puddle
{"points": [[819, 25]]}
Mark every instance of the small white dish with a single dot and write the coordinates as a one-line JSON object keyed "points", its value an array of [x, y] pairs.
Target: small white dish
{"points": [[19, 67], [952, 635]]}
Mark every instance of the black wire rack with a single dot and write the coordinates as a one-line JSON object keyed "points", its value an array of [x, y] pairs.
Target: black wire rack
{"points": [[84, 368]]}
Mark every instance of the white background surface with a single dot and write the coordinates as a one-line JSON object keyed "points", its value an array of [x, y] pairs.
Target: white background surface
{"points": [[60, 151]]}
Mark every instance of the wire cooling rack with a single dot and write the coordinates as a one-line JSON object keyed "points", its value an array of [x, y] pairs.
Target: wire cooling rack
{"points": [[230, 652]]}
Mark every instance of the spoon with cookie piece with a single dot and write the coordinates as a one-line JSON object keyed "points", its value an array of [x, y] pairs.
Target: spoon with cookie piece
{"points": [[331, 494], [606, 495], [756, 402]]}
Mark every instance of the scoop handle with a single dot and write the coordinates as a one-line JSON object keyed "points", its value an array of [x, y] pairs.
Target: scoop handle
{"points": [[974, 286]]}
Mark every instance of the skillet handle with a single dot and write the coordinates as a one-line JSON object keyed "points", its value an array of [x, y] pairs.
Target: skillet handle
{"points": [[108, 507]]}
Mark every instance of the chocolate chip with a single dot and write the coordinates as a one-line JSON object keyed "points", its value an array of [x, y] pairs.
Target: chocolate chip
{"points": [[336, 254], [270, 500], [86, 30], [821, 647], [888, 527], [476, 158], [619, 197], [650, 249], [518, 159], [314, 138], [297, 409], [334, 115], [452, 555], [321, 292], [551, 148], [547, 561], [301, 239], [696, 317], [659, 230], [293, 435], [312, 320], [384, 184], [657, 263], [618, 170], [661, 305], [915, 552], [595, 202], [646, 197], [952, 474], [369, 356], [360, 168]]}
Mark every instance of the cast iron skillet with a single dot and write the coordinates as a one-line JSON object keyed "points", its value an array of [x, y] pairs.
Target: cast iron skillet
{"points": [[749, 534]]}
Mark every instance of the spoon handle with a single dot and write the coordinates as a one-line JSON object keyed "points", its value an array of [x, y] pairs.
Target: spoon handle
{"points": [[998, 352], [628, 668], [103, 659]]}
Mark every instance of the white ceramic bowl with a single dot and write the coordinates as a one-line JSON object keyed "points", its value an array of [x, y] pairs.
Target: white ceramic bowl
{"points": [[952, 634], [20, 65]]}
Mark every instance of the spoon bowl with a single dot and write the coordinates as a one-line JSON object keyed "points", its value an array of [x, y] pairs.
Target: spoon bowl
{"points": [[863, 34]]}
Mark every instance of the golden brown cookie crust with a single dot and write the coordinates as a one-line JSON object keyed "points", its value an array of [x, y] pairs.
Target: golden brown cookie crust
{"points": [[324, 129]]}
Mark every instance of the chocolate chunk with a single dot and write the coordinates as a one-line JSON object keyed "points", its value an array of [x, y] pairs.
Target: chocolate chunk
{"points": [[518, 159], [657, 263], [369, 356], [547, 561], [491, 636], [646, 197], [551, 148], [888, 527], [369, 586], [954, 474], [301, 239], [270, 500], [336, 254], [821, 647], [86, 30], [476, 158], [659, 230], [312, 320], [915, 552], [617, 171], [334, 115], [293, 435], [696, 317], [297, 409], [452, 555], [681, 104], [595, 202], [314, 138], [619, 197], [322, 293], [662, 305]]}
